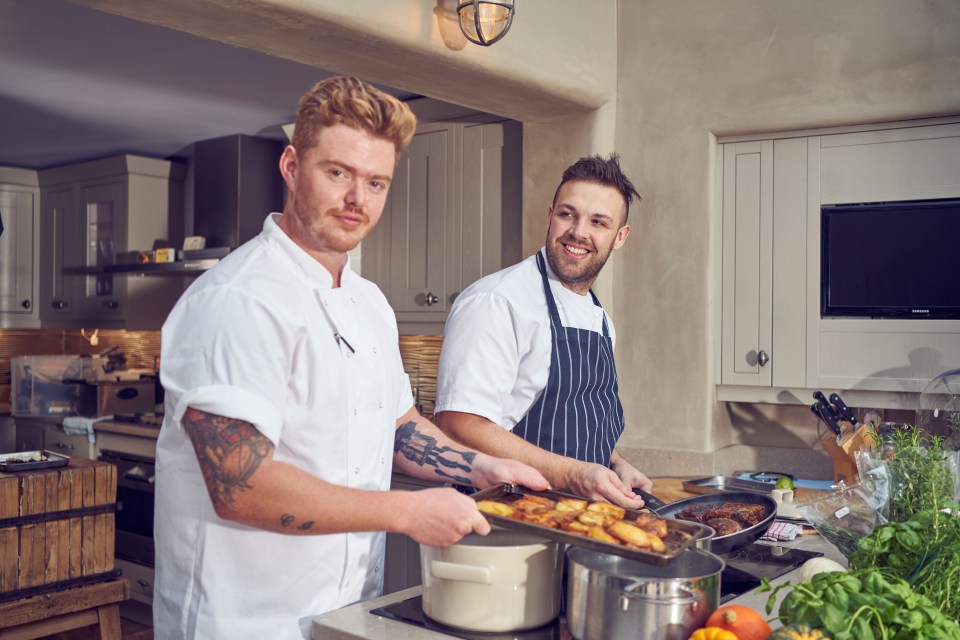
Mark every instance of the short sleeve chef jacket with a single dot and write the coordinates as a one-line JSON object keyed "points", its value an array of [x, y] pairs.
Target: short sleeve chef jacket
{"points": [[495, 358], [253, 339]]}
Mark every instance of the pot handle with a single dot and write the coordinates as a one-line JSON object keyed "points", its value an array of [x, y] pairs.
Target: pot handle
{"points": [[461, 572], [650, 501], [690, 596]]}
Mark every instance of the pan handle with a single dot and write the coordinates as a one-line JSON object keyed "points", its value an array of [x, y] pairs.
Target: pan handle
{"points": [[652, 502]]}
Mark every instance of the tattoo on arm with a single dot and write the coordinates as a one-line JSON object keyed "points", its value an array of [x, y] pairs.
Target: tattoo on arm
{"points": [[229, 451], [424, 451], [288, 521]]}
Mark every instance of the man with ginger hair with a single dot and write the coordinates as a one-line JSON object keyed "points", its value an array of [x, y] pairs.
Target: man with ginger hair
{"points": [[287, 406]]}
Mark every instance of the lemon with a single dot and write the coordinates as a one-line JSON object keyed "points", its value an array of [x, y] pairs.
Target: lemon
{"points": [[784, 483]]}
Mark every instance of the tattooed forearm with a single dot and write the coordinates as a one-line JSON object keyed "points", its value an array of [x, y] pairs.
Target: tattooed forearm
{"points": [[288, 521], [424, 451], [229, 451]]}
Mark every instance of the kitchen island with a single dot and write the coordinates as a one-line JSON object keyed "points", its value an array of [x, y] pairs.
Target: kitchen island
{"points": [[356, 621]]}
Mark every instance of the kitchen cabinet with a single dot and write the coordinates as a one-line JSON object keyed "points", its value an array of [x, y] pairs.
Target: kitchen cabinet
{"points": [[19, 247], [452, 215], [90, 213], [774, 346], [763, 233], [36, 434]]}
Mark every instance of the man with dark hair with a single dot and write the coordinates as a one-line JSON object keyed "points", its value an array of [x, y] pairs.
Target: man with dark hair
{"points": [[287, 406], [526, 369]]}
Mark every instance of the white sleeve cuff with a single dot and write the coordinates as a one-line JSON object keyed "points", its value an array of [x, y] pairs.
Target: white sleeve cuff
{"points": [[233, 402]]}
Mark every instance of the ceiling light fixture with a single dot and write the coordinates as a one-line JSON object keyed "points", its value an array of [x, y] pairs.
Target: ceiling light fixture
{"points": [[485, 21]]}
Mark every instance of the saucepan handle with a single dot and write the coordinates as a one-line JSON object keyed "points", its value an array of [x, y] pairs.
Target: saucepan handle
{"points": [[461, 572], [652, 502]]}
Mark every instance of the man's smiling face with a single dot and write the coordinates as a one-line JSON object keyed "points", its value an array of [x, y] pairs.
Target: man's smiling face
{"points": [[584, 226]]}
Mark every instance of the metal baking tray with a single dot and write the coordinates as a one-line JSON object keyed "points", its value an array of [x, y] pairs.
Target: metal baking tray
{"points": [[681, 534], [8, 461], [715, 484]]}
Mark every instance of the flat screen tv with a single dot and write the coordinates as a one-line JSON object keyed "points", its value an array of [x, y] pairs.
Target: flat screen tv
{"points": [[890, 259]]}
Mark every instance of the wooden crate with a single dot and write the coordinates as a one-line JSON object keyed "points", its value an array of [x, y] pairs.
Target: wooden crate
{"points": [[56, 525]]}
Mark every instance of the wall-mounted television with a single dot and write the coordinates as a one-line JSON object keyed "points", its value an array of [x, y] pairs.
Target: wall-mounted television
{"points": [[890, 259]]}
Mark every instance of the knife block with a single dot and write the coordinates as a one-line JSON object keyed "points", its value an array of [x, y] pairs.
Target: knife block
{"points": [[843, 452]]}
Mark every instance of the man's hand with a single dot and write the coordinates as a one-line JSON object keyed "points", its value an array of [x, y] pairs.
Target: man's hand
{"points": [[597, 482], [629, 474], [488, 471], [441, 517]]}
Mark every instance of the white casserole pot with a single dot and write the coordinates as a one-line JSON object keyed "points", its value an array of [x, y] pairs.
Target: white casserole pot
{"points": [[504, 581]]}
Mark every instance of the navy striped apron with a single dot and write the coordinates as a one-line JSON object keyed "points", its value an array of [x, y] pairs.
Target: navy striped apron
{"points": [[579, 414]]}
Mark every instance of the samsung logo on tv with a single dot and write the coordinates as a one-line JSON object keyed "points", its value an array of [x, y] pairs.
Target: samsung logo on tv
{"points": [[920, 311]]}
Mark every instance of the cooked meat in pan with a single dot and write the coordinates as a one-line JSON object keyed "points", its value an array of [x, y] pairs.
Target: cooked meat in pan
{"points": [[724, 526], [746, 515]]}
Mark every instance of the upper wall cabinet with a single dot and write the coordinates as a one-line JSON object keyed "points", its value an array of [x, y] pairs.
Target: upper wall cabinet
{"points": [[773, 343], [19, 247], [763, 233], [92, 212], [452, 216]]}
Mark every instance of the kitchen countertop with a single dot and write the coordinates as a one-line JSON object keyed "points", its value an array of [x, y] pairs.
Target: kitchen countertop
{"points": [[124, 428], [356, 621]]}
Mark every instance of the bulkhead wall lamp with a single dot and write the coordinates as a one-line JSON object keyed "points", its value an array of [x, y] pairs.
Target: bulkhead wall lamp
{"points": [[485, 21]]}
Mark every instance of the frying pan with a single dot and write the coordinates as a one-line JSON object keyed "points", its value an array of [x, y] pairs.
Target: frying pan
{"points": [[729, 542]]}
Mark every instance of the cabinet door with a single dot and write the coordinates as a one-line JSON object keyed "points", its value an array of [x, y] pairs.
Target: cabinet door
{"points": [[103, 215], [747, 270], [420, 203], [476, 234], [60, 233], [17, 247]]}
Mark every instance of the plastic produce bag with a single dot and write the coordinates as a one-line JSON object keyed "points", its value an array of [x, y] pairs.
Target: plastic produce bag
{"points": [[843, 516], [902, 481]]}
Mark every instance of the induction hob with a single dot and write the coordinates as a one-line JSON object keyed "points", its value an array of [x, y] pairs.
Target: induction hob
{"points": [[747, 565]]}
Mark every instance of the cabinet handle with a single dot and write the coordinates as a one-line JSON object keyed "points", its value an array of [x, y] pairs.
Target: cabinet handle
{"points": [[25, 304], [58, 304], [432, 299], [146, 586], [113, 305], [762, 358], [64, 446]]}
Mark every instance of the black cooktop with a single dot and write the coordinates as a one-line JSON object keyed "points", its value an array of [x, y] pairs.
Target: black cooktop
{"points": [[747, 565]]}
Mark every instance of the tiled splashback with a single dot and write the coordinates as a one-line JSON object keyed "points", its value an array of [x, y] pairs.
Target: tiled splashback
{"points": [[139, 347]]}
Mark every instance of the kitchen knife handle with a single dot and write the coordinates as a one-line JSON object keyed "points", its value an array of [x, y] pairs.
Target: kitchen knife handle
{"points": [[845, 412], [650, 501]]}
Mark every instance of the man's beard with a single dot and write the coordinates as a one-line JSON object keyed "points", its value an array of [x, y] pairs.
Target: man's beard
{"points": [[580, 273]]}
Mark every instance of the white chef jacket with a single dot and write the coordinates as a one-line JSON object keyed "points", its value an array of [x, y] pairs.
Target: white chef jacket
{"points": [[495, 358], [253, 339]]}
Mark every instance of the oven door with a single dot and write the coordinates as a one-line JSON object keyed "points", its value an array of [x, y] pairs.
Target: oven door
{"points": [[134, 519]]}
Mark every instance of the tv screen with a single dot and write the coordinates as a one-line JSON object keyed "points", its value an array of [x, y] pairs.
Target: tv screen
{"points": [[891, 260]]}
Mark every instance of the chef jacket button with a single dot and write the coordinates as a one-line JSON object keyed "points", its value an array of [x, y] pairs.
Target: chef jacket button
{"points": [[380, 404], [376, 568], [356, 471], [374, 349], [354, 412]]}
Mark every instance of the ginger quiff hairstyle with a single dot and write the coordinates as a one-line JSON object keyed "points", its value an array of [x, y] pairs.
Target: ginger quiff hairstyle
{"points": [[357, 104]]}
